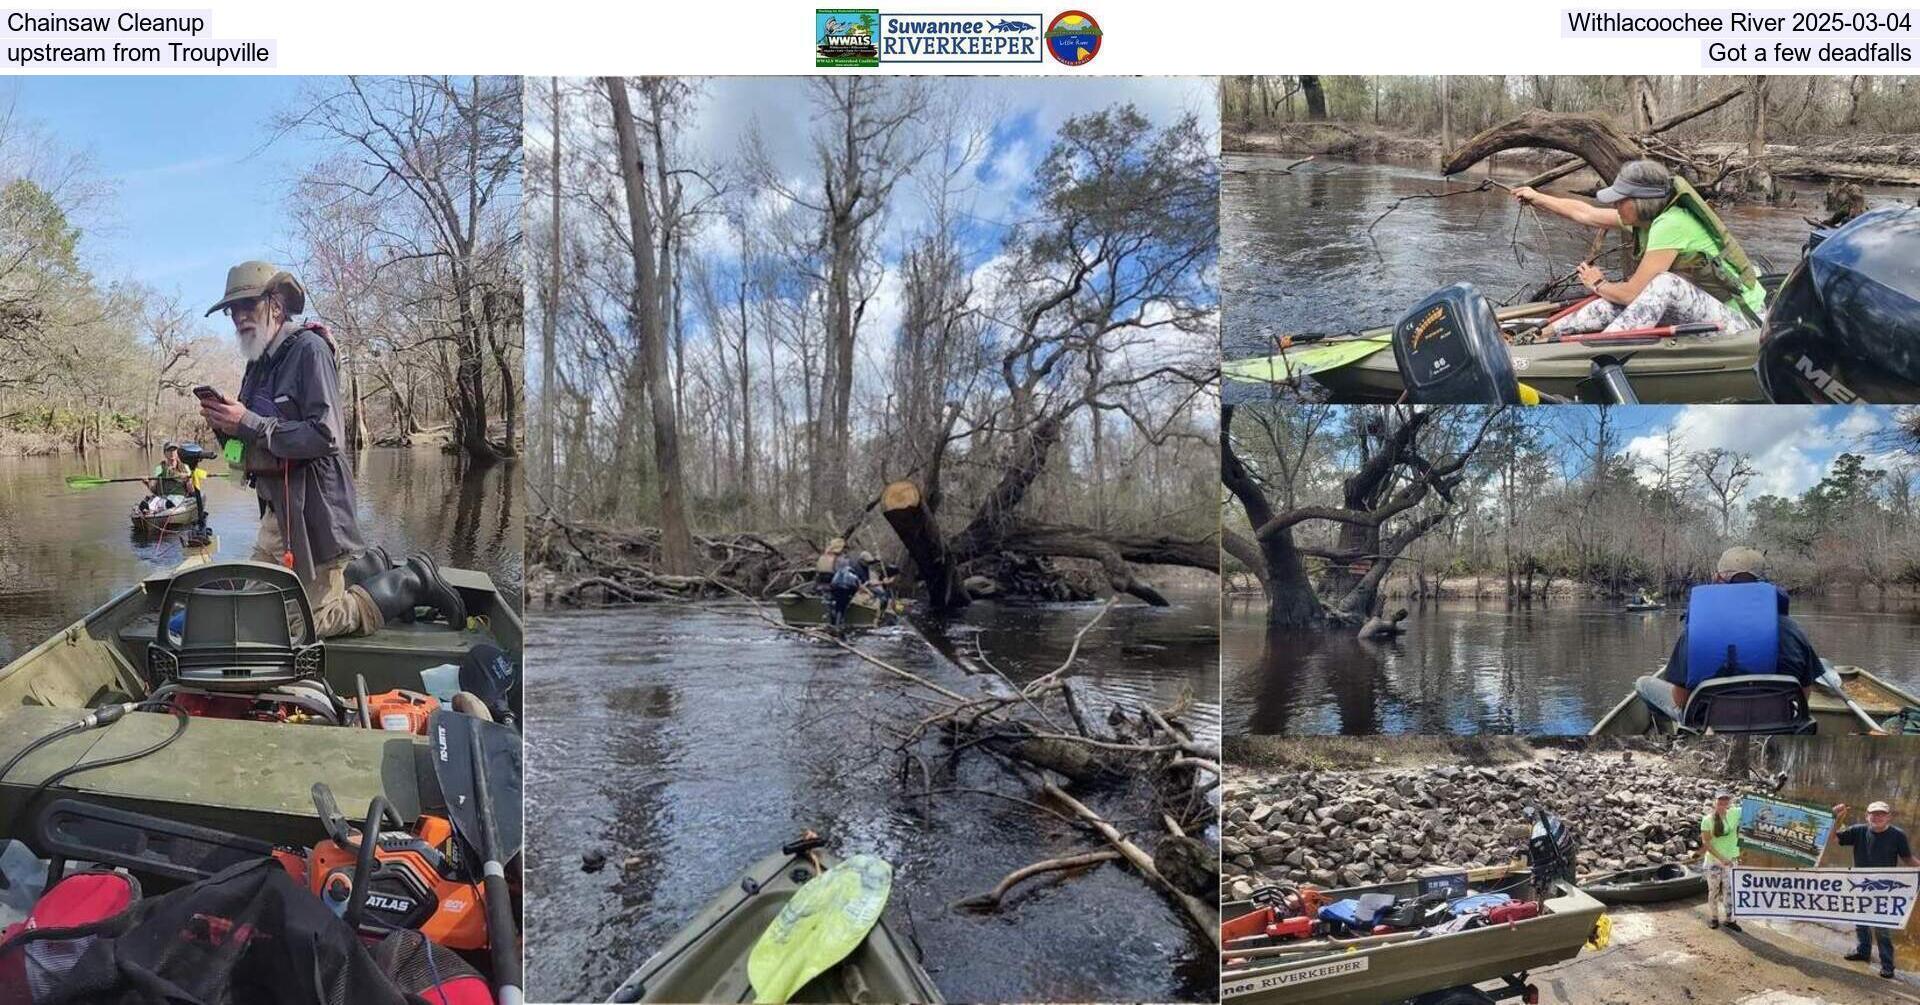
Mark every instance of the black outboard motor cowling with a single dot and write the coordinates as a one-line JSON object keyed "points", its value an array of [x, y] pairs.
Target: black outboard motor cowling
{"points": [[1450, 351], [1845, 327], [1551, 851]]}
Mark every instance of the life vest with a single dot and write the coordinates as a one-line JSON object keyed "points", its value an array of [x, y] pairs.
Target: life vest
{"points": [[1723, 276], [1733, 629]]}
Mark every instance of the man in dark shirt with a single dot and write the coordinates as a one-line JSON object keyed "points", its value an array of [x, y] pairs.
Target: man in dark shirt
{"points": [[1876, 844], [1668, 692], [289, 418]]}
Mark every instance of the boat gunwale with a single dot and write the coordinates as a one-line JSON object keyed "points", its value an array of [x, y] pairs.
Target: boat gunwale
{"points": [[1582, 904], [1604, 725]]}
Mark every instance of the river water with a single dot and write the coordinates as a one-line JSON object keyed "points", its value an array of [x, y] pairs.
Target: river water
{"points": [[1467, 667], [685, 743], [65, 552], [1296, 256]]}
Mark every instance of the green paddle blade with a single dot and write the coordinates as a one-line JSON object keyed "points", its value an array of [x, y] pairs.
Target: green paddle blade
{"points": [[92, 482], [1304, 361], [826, 919]]}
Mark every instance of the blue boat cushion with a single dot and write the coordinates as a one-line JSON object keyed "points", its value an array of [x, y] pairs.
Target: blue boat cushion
{"points": [[1357, 914], [1733, 629], [1478, 902]]}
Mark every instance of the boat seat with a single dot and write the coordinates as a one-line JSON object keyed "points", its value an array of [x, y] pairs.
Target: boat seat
{"points": [[235, 633], [1749, 703]]}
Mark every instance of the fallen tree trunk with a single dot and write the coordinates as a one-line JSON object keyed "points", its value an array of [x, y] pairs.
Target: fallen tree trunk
{"points": [[1116, 553], [1592, 138]]}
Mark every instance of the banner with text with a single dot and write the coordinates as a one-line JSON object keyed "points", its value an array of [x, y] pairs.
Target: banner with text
{"points": [[1791, 830], [1876, 898]]}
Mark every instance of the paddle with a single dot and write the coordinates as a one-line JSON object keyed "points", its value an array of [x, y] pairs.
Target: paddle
{"points": [[1293, 362], [91, 482], [1830, 679], [467, 754], [823, 922]]}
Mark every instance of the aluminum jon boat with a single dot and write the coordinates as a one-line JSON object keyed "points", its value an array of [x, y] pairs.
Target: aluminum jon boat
{"points": [[707, 961], [240, 775], [801, 608], [1381, 969], [1877, 697], [1681, 369]]}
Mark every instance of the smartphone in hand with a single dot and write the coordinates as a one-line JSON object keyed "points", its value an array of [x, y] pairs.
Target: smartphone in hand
{"points": [[205, 393]]}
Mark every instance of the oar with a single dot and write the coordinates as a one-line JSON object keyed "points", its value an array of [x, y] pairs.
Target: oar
{"points": [[1830, 678], [502, 937], [91, 482], [822, 923]]}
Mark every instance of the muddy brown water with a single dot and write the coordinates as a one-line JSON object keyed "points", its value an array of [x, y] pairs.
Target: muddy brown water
{"points": [[684, 743], [1296, 255], [1482, 667], [64, 552]]}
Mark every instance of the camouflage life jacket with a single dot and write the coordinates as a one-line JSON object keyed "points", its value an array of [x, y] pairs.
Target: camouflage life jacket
{"points": [[1723, 276]]}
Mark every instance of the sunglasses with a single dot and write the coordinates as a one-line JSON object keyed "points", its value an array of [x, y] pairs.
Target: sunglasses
{"points": [[243, 308]]}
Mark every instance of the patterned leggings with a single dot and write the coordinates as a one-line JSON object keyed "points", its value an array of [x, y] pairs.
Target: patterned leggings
{"points": [[1667, 300]]}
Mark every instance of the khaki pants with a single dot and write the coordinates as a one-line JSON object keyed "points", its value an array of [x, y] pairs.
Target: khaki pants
{"points": [[338, 609]]}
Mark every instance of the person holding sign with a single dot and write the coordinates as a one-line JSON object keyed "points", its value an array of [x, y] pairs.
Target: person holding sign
{"points": [[1876, 844], [1720, 846]]}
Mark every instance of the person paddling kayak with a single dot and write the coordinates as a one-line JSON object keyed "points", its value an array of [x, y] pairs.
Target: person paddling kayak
{"points": [[1738, 614], [1876, 844], [1719, 853], [172, 480], [1690, 268]]}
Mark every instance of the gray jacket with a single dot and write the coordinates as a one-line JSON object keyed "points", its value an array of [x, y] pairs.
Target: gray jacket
{"points": [[292, 394]]}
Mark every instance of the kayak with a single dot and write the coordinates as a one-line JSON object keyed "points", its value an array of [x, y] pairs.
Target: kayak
{"points": [[809, 609], [1652, 885], [1392, 968], [1654, 605], [1676, 369], [186, 514], [1880, 699], [707, 961]]}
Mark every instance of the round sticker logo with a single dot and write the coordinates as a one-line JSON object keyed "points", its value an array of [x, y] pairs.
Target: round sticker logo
{"points": [[1073, 37]]}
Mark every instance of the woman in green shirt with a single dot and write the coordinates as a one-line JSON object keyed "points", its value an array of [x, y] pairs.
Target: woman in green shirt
{"points": [[1720, 852], [1690, 268]]}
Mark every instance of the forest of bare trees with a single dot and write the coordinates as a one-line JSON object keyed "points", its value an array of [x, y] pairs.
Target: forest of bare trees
{"points": [[1749, 130], [404, 231], [408, 234], [743, 346], [1329, 504], [1799, 108]]}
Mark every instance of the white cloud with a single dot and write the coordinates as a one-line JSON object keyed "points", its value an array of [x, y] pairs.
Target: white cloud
{"points": [[1790, 445]]}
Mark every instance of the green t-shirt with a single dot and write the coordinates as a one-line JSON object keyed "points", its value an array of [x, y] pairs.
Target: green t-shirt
{"points": [[1675, 229], [1727, 844]]}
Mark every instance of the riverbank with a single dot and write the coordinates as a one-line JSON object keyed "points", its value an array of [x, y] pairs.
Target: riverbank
{"points": [[582, 564], [1629, 807], [1494, 587], [1876, 161]]}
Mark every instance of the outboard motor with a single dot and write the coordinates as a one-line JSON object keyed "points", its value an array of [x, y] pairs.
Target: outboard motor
{"points": [[1450, 352], [1845, 327], [1551, 851]]}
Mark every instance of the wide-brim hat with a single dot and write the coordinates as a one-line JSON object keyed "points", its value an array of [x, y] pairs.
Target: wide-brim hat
{"points": [[250, 280], [1741, 559]]}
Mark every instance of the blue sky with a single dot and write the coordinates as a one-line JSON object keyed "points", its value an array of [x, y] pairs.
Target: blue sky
{"points": [[192, 190]]}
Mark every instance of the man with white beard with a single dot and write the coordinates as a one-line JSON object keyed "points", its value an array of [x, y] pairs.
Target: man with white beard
{"points": [[288, 421]]}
